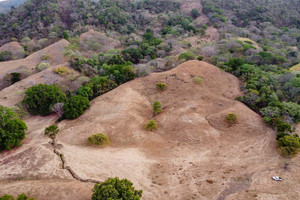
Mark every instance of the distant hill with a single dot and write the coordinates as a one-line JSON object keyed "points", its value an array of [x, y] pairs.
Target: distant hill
{"points": [[7, 4]]}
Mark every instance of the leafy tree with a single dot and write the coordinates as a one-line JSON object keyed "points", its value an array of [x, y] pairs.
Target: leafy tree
{"points": [[195, 13], [187, 56], [5, 55], [157, 107], [114, 188], [40, 99], [289, 144], [231, 118], [161, 86], [12, 129], [75, 106], [132, 54], [66, 34], [99, 139], [151, 125], [51, 130]]}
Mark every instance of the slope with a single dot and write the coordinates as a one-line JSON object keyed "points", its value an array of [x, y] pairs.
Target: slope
{"points": [[193, 155]]}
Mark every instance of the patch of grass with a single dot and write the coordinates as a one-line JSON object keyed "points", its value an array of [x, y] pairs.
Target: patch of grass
{"points": [[295, 68], [45, 57], [99, 139], [198, 80], [151, 125]]}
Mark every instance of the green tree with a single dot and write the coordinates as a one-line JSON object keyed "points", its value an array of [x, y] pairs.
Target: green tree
{"points": [[289, 144], [12, 129], [231, 118], [157, 107], [187, 56], [20, 197], [51, 130], [66, 34], [151, 125], [116, 189], [75, 106], [195, 13], [39, 99]]}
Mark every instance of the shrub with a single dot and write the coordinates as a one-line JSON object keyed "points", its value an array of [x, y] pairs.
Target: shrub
{"points": [[66, 34], [75, 106], [45, 57], [195, 13], [157, 107], [12, 129], [187, 56], [20, 197], [114, 188], [198, 80], [40, 99], [51, 131], [42, 66], [161, 86], [200, 57], [151, 125], [5, 55], [61, 70], [231, 118], [289, 145], [99, 139], [15, 77]]}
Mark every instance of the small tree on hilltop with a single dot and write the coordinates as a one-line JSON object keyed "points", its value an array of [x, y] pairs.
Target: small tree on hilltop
{"points": [[161, 86], [157, 107], [231, 119], [51, 131], [151, 125], [116, 189]]}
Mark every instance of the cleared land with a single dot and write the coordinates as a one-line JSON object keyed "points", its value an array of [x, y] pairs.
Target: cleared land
{"points": [[193, 155]]}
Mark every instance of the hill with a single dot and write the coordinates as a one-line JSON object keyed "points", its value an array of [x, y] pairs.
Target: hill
{"points": [[193, 150]]}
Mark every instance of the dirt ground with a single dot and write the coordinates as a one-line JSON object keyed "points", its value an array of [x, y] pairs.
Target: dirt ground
{"points": [[194, 154]]}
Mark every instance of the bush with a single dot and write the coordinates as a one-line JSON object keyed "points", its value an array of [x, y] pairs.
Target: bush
{"points": [[161, 86], [99, 139], [15, 77], [61, 70], [114, 188], [200, 57], [187, 56], [157, 107], [20, 197], [40, 98], [51, 131], [289, 145], [12, 129], [5, 55], [42, 66], [45, 57], [75, 106], [198, 80], [231, 118], [151, 125], [195, 13]]}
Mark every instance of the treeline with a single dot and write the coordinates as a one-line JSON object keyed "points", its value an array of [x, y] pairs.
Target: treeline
{"points": [[281, 13], [48, 19]]}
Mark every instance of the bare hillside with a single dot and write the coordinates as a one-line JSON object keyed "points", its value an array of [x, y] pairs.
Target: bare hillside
{"points": [[192, 155]]}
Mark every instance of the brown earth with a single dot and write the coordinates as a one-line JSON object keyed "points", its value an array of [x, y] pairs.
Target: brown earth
{"points": [[193, 155]]}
